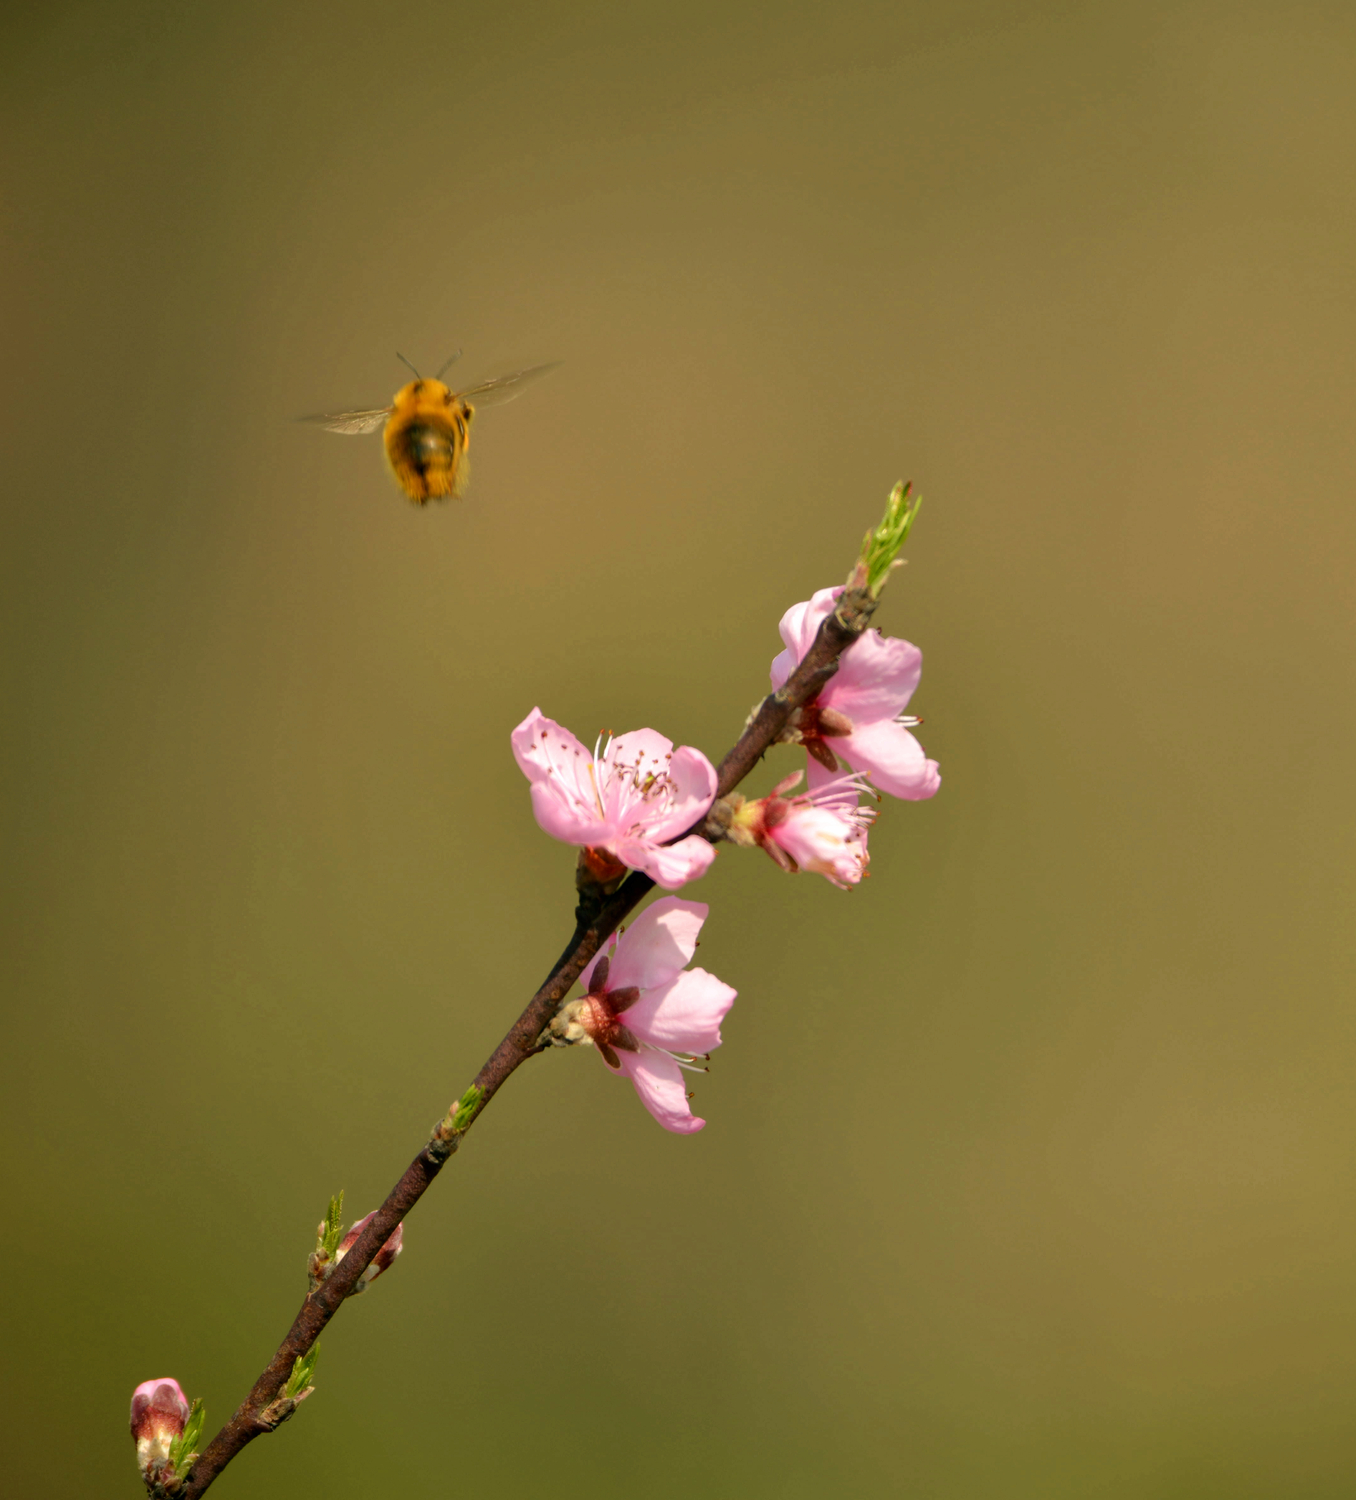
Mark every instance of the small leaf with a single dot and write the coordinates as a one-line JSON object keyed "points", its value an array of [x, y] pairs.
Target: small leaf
{"points": [[334, 1227], [467, 1107], [881, 547], [184, 1448], [303, 1368]]}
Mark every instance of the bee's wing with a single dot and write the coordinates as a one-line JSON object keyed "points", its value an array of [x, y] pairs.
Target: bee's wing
{"points": [[355, 423], [504, 387]]}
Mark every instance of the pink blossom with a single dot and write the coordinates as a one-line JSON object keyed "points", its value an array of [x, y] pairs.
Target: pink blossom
{"points": [[628, 798], [159, 1412], [859, 714], [650, 1016], [824, 832], [382, 1260]]}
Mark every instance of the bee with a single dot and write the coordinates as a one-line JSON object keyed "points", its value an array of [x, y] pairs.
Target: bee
{"points": [[427, 427]]}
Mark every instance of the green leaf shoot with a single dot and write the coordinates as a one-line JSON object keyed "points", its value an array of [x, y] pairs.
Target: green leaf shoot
{"points": [[299, 1381], [184, 1448], [881, 547], [333, 1229], [467, 1107]]}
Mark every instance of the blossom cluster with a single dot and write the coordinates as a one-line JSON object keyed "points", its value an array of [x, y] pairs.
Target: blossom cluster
{"points": [[637, 803]]}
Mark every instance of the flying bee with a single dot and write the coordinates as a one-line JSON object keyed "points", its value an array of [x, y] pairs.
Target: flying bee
{"points": [[427, 428]]}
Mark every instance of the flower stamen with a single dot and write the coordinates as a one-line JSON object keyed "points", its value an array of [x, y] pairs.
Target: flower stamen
{"points": [[684, 1060]]}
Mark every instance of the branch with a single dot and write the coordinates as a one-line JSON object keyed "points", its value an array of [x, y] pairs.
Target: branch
{"points": [[597, 917]]}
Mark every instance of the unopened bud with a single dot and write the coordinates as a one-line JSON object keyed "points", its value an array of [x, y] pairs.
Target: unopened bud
{"points": [[823, 831], [159, 1412], [381, 1261]]}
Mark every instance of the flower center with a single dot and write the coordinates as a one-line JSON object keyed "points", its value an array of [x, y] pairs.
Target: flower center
{"points": [[596, 1017], [616, 784], [814, 726]]}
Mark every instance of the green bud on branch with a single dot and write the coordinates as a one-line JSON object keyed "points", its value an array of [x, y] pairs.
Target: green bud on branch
{"points": [[328, 1234], [881, 547], [447, 1132], [291, 1396], [466, 1108], [332, 1230], [299, 1385], [184, 1449]]}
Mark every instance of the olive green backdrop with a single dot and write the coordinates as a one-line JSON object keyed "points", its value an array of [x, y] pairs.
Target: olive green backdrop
{"points": [[1029, 1163]]}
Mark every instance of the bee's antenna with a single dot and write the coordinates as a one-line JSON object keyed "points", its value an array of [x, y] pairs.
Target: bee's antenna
{"points": [[404, 361], [450, 360]]}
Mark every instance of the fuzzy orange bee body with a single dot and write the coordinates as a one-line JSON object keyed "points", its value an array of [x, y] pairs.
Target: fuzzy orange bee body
{"points": [[426, 438], [426, 430]]}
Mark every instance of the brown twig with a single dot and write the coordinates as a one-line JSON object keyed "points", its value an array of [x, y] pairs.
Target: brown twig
{"points": [[597, 917]]}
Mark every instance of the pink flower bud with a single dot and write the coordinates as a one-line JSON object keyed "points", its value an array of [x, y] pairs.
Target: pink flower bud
{"points": [[384, 1257], [824, 832], [159, 1411]]}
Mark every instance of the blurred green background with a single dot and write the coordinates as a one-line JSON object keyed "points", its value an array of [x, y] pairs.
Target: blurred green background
{"points": [[1029, 1164]]}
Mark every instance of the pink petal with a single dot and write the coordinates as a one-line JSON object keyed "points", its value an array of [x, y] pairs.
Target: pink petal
{"points": [[566, 820], [535, 759], [694, 790], [646, 748], [608, 949], [876, 677], [558, 767], [683, 1015], [817, 777], [658, 945], [895, 759], [669, 865], [659, 1082], [824, 842], [799, 626]]}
